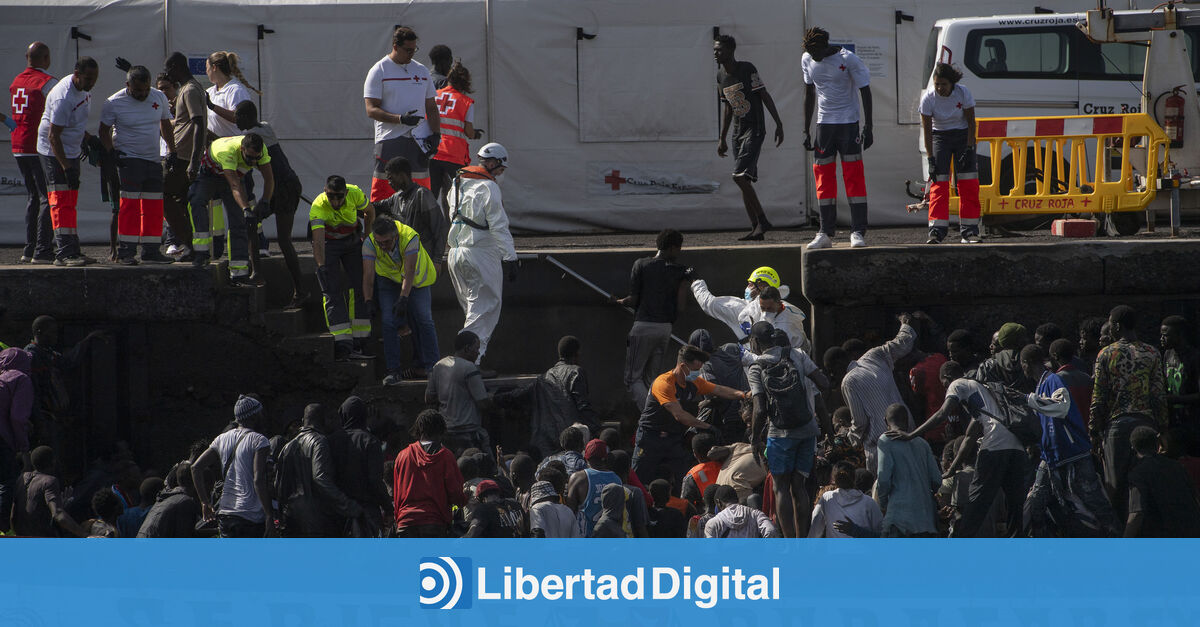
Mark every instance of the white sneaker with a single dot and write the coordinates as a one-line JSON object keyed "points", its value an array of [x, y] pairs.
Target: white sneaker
{"points": [[857, 240], [820, 241], [176, 249]]}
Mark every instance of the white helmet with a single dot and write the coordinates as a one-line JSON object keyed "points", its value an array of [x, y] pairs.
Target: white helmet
{"points": [[494, 151]]}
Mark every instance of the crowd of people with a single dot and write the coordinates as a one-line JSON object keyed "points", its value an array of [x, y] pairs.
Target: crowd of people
{"points": [[931, 433], [169, 150]]}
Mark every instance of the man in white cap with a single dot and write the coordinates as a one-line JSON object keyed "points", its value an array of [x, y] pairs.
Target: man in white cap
{"points": [[762, 301], [481, 253]]}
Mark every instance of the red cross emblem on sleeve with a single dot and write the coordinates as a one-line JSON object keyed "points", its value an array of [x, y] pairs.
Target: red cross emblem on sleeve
{"points": [[958, 106], [154, 106]]}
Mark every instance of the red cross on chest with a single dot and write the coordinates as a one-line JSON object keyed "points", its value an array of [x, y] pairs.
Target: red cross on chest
{"points": [[842, 68]]}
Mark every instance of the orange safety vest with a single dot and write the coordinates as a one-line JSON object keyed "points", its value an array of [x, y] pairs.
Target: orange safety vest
{"points": [[705, 474], [452, 107]]}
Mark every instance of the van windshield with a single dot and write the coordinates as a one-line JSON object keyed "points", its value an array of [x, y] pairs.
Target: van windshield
{"points": [[931, 51]]}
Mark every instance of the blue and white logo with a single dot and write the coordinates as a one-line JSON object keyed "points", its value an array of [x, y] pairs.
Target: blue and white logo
{"points": [[443, 581]]}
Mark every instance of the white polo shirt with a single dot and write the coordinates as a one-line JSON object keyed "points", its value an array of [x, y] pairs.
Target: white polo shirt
{"points": [[67, 107], [837, 78], [400, 88], [947, 113], [226, 97], [136, 123]]}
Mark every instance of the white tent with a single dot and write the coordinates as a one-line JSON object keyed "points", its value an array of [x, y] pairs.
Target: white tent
{"points": [[608, 107]]}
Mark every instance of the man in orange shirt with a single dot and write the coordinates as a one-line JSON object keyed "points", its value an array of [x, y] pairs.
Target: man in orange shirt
{"points": [[663, 422]]}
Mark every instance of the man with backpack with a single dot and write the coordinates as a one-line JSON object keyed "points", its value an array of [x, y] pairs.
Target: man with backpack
{"points": [[1007, 425], [783, 405]]}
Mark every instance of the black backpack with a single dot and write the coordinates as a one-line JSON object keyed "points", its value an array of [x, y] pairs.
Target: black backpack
{"points": [[787, 398], [1015, 414]]}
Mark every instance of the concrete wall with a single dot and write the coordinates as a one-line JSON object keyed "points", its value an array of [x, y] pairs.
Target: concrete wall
{"points": [[858, 293]]}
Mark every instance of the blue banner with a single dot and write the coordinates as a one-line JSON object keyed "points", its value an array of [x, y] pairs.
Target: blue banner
{"points": [[351, 583]]}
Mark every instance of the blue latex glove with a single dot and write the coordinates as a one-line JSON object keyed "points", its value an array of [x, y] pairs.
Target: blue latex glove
{"points": [[10, 123]]}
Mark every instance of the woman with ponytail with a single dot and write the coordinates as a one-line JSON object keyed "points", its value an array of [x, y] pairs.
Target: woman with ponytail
{"points": [[229, 88]]}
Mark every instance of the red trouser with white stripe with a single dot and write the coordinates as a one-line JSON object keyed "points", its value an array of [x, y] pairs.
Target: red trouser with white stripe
{"points": [[140, 212], [951, 146], [63, 193], [830, 141], [389, 149]]}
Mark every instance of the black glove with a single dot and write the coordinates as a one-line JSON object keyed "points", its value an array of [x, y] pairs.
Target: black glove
{"points": [[868, 138], [808, 145], [432, 143], [410, 118], [400, 309], [123, 64], [262, 209], [93, 150], [691, 275], [250, 217], [370, 308], [510, 271], [931, 161]]}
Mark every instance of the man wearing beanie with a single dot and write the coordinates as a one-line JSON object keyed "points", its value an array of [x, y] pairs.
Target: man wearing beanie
{"points": [[1005, 366], [238, 457]]}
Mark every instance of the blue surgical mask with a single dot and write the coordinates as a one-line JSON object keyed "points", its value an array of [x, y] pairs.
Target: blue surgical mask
{"points": [[692, 376], [749, 294]]}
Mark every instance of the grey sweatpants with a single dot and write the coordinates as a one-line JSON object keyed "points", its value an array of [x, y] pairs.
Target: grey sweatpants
{"points": [[644, 350]]}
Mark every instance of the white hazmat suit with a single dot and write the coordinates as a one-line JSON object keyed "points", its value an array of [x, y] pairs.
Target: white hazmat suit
{"points": [[479, 243], [740, 314]]}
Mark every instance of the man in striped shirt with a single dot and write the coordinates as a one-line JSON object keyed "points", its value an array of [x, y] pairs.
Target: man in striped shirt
{"points": [[869, 387]]}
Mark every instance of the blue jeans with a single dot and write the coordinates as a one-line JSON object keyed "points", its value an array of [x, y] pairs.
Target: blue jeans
{"points": [[420, 320]]}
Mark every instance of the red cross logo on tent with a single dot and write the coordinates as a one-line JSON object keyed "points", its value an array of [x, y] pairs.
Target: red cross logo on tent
{"points": [[615, 179], [19, 107]]}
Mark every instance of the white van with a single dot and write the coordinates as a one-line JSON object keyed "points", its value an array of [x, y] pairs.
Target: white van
{"points": [[1041, 65]]}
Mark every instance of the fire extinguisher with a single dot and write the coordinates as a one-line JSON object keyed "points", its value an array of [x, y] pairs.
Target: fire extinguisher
{"points": [[1174, 117]]}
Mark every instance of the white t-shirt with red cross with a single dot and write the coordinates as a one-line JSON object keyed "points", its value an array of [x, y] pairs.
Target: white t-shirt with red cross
{"points": [[947, 113], [837, 79], [400, 88], [136, 123], [67, 107]]}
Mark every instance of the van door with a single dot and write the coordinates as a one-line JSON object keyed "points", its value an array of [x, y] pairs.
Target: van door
{"points": [[1110, 76]]}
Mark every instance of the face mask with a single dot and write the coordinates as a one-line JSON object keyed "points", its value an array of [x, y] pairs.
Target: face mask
{"points": [[749, 294], [692, 376]]}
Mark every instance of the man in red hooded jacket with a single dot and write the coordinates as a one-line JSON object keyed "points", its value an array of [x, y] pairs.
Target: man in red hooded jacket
{"points": [[427, 482]]}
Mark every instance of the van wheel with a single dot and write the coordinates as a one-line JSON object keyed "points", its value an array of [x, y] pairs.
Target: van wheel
{"points": [[1124, 223]]}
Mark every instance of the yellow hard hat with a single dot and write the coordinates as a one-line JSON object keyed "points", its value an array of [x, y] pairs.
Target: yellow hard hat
{"points": [[765, 274]]}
